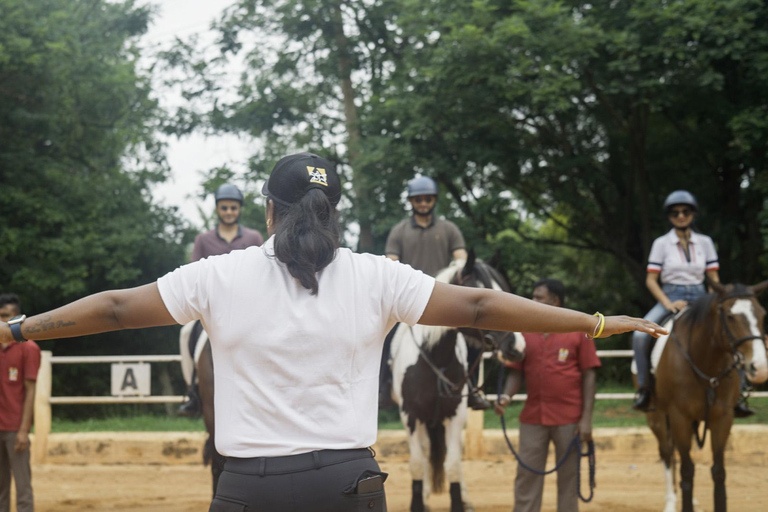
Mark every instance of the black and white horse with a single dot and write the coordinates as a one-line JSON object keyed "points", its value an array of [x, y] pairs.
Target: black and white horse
{"points": [[430, 385], [197, 367]]}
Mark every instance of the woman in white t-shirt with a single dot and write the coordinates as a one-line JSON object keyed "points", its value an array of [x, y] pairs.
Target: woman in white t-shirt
{"points": [[682, 258], [296, 327]]}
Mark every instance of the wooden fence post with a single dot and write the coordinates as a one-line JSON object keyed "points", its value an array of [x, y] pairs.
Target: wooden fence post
{"points": [[43, 408], [474, 446]]}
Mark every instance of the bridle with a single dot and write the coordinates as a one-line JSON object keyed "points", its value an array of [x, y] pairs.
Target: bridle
{"points": [[446, 388], [738, 361], [733, 342]]}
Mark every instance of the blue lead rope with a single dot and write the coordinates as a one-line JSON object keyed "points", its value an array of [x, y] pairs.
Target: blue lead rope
{"points": [[574, 445]]}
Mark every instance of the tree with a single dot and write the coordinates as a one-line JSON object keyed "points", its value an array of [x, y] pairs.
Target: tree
{"points": [[312, 68], [77, 161], [588, 115]]}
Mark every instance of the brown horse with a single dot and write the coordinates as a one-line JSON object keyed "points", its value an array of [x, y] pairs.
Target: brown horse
{"points": [[697, 381]]}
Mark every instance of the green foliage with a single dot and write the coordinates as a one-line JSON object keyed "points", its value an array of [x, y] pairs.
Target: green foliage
{"points": [[77, 162]]}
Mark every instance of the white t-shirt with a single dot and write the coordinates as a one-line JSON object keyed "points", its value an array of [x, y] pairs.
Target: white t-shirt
{"points": [[295, 372], [668, 258]]}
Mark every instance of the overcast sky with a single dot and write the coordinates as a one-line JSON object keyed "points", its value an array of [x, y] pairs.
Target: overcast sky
{"points": [[192, 155]]}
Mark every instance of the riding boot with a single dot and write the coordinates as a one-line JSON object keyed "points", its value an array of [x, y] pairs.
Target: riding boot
{"points": [[641, 346], [476, 401], [742, 410], [192, 407]]}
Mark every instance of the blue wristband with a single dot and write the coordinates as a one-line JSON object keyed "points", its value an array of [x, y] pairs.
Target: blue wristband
{"points": [[16, 330]]}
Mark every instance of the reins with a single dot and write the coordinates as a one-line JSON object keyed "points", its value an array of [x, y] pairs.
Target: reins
{"points": [[714, 382], [574, 445], [448, 388]]}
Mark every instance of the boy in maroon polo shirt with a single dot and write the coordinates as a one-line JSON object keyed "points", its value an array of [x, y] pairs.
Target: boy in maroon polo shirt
{"points": [[559, 371], [19, 363]]}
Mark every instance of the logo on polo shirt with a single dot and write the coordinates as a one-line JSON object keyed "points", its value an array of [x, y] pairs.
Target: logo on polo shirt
{"points": [[317, 175], [13, 374], [562, 356]]}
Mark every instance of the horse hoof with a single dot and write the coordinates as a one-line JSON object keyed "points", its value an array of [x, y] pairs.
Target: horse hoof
{"points": [[468, 507]]}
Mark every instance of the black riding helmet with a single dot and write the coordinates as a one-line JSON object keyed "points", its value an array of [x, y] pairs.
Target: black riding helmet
{"points": [[228, 191], [680, 197]]}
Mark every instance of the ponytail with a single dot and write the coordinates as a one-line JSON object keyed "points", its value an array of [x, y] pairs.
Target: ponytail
{"points": [[307, 236]]}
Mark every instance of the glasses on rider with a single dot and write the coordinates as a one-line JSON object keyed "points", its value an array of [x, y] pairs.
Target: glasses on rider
{"points": [[423, 199], [676, 212]]}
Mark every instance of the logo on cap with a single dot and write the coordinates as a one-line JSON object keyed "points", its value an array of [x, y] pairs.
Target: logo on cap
{"points": [[317, 175]]}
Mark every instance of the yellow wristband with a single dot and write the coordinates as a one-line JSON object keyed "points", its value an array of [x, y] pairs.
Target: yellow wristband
{"points": [[600, 325]]}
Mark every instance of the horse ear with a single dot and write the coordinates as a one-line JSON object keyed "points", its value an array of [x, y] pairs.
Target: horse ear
{"points": [[717, 287], [469, 266], [757, 289], [495, 259]]}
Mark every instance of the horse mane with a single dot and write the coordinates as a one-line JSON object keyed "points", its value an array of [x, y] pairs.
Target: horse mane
{"points": [[485, 273], [448, 273], [697, 312]]}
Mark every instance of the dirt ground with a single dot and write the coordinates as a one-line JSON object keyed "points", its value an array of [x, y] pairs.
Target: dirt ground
{"points": [[621, 487]]}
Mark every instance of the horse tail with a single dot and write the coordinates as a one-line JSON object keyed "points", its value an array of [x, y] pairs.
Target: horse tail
{"points": [[437, 451]]}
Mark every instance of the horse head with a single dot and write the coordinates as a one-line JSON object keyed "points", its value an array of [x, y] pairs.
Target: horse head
{"points": [[477, 274], [741, 317]]}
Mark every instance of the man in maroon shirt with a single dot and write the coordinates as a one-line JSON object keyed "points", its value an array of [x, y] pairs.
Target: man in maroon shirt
{"points": [[559, 372], [227, 236], [19, 364]]}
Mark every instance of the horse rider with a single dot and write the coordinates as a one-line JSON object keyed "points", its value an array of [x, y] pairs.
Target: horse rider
{"points": [[682, 258], [560, 372], [426, 243], [228, 235], [296, 328]]}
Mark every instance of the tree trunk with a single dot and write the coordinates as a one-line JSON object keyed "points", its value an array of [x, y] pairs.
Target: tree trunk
{"points": [[354, 135]]}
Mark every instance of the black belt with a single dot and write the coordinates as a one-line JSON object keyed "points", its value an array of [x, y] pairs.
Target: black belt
{"points": [[293, 463]]}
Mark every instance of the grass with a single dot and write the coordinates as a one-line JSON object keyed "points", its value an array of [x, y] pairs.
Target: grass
{"points": [[608, 413]]}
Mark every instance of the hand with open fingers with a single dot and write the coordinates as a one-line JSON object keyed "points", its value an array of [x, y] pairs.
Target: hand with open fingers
{"points": [[621, 324]]}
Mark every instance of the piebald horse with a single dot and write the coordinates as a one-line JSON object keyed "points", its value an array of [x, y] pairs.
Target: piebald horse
{"points": [[430, 377], [697, 381], [197, 367]]}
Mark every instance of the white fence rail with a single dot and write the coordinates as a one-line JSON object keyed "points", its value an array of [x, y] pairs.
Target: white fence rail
{"points": [[44, 400]]}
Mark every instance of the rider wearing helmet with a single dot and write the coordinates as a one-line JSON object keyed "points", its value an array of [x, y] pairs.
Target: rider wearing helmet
{"points": [[681, 258], [227, 236], [429, 244]]}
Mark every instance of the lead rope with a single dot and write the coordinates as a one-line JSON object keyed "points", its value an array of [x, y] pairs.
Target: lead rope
{"points": [[574, 444]]}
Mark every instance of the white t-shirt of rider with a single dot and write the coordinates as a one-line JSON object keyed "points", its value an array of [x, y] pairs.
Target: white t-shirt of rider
{"points": [[668, 258], [295, 372]]}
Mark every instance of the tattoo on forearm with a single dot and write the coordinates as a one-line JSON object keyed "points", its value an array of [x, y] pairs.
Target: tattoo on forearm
{"points": [[45, 324]]}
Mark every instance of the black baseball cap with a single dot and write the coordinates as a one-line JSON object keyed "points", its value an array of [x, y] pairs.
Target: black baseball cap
{"points": [[294, 175]]}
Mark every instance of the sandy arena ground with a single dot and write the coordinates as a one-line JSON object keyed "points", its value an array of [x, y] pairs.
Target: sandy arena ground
{"points": [[622, 487]]}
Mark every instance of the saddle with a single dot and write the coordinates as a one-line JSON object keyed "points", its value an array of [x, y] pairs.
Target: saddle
{"points": [[658, 348]]}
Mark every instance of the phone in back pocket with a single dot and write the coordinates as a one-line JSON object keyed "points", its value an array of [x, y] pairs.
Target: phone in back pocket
{"points": [[370, 484]]}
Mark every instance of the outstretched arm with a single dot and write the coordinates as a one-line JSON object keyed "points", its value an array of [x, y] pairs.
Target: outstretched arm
{"points": [[133, 308], [459, 306]]}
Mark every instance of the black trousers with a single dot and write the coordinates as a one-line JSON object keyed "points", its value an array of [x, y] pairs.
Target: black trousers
{"points": [[321, 481]]}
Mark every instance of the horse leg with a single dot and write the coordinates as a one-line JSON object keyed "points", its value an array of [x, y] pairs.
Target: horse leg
{"points": [[205, 380], [418, 463], [453, 470], [682, 433], [658, 422], [719, 432]]}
